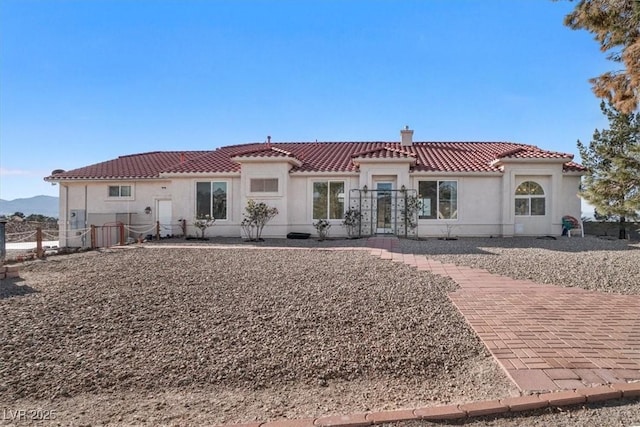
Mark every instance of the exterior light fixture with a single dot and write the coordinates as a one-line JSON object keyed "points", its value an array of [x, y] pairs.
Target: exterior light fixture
{"points": [[147, 210]]}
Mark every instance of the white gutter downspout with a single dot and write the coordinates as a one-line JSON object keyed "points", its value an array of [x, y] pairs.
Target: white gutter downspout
{"points": [[66, 214], [86, 218]]}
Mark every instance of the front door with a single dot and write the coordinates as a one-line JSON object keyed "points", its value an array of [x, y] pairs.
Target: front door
{"points": [[383, 209]]}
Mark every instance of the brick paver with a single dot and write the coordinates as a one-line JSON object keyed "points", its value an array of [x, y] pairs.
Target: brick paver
{"points": [[545, 337]]}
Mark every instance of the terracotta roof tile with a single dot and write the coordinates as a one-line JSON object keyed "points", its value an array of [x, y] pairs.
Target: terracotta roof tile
{"points": [[265, 151], [320, 157], [384, 153], [144, 165], [531, 152], [573, 167]]}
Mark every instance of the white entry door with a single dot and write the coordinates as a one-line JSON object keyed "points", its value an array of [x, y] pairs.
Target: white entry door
{"points": [[383, 207], [164, 217]]}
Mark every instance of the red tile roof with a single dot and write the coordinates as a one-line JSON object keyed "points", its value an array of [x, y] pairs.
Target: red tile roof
{"points": [[573, 167], [321, 157], [264, 151], [532, 152], [384, 153], [144, 165]]}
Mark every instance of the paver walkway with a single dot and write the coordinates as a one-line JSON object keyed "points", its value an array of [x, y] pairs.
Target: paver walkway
{"points": [[545, 337]]}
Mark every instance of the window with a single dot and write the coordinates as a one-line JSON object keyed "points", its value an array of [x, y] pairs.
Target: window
{"points": [[328, 200], [263, 185], [211, 199], [530, 199], [439, 199], [119, 191]]}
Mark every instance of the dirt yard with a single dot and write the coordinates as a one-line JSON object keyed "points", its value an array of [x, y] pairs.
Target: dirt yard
{"points": [[162, 336]]}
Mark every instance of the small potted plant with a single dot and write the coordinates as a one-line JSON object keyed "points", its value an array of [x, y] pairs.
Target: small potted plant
{"points": [[322, 227]]}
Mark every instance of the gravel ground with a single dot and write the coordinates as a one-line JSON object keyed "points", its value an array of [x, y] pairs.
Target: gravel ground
{"points": [[190, 337], [589, 263], [172, 336], [312, 242]]}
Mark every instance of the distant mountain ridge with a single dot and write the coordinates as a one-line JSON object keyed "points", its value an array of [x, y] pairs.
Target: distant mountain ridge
{"points": [[37, 205]]}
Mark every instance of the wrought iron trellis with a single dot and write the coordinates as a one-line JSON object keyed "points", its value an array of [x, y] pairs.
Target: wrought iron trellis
{"points": [[385, 211]]}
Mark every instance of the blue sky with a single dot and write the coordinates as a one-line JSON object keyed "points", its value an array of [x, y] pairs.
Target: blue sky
{"points": [[86, 81]]}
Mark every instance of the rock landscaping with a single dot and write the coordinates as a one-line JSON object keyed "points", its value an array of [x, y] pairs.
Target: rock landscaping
{"points": [[590, 263], [239, 334], [210, 334]]}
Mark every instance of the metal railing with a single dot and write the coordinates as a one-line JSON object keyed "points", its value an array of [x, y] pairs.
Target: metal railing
{"points": [[385, 211]]}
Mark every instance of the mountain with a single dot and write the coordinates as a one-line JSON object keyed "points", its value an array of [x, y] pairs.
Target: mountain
{"points": [[42, 205]]}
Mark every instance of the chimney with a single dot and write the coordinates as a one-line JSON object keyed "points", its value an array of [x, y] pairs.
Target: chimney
{"points": [[269, 141], [407, 137]]}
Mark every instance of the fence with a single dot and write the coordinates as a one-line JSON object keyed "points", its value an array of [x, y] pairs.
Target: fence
{"points": [[39, 242], [608, 228], [31, 243], [119, 233]]}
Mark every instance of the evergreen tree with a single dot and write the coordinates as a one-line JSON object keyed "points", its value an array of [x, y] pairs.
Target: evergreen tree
{"points": [[603, 217], [612, 183], [615, 24]]}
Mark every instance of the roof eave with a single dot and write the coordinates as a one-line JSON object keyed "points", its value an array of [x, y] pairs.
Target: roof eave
{"points": [[324, 173], [502, 161], [199, 174], [359, 160], [102, 178], [456, 173], [258, 159]]}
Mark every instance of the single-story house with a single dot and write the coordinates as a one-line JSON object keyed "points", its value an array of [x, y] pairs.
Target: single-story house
{"points": [[461, 189]]}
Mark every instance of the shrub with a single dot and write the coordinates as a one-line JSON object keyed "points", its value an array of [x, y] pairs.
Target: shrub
{"points": [[322, 227], [204, 222], [256, 216], [351, 221], [410, 213]]}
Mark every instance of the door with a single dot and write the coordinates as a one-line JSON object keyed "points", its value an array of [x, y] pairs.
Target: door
{"points": [[383, 207], [77, 225], [164, 218]]}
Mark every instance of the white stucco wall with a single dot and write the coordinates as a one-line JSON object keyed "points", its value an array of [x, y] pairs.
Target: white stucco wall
{"points": [[374, 170], [479, 207], [551, 178], [100, 209], [184, 204], [485, 201], [238, 194], [278, 226], [301, 202], [570, 202]]}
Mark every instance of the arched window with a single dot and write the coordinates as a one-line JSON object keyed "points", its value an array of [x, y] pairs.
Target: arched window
{"points": [[530, 199]]}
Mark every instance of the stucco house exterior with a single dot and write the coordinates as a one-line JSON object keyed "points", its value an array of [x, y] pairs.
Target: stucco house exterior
{"points": [[463, 188]]}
